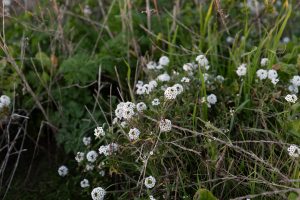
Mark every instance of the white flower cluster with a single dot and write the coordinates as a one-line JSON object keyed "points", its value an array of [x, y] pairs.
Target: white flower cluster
{"points": [[109, 149], [172, 92], [140, 107], [87, 11], [163, 77], [98, 193], [145, 88], [91, 156], [163, 61], [270, 74], [63, 170], [202, 61], [294, 151], [86, 141], [241, 70], [98, 132], [79, 157], [84, 183], [134, 134], [150, 182], [4, 102], [165, 125], [155, 102], [211, 99], [292, 98], [295, 83]]}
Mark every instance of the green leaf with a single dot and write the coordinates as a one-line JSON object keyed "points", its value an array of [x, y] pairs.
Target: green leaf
{"points": [[43, 60], [292, 196], [204, 194]]}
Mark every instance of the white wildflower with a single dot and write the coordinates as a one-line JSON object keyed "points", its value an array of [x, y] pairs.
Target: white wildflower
{"points": [[150, 182], [91, 156], [229, 40], [141, 107], [293, 89], [79, 157], [262, 74], [139, 84], [185, 80], [98, 132], [241, 70], [140, 90], [152, 84], [188, 67], [151, 65], [272, 74], [84, 183], [264, 62], [123, 124], [164, 77], [5, 100], [170, 93], [89, 167], [98, 193], [294, 151], [295, 80], [178, 88], [220, 78], [211, 99], [275, 81], [102, 173], [286, 40], [86, 141], [165, 125], [134, 134], [87, 10], [63, 170], [163, 61], [155, 102], [151, 197], [202, 60], [292, 98]]}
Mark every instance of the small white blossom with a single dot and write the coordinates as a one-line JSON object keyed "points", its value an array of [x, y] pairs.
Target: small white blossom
{"points": [[5, 100], [89, 167], [98, 193], [63, 170], [286, 40], [211, 99], [140, 90], [188, 67], [163, 61], [151, 65], [109, 149], [91, 156], [86, 141], [178, 88], [262, 74], [165, 125], [220, 78], [150, 182], [185, 80], [151, 197], [292, 98], [141, 107], [139, 84], [275, 81], [293, 89], [164, 77], [295, 80], [134, 134], [294, 151], [98, 132], [147, 89], [272, 74], [202, 60], [87, 10], [84, 183], [229, 40], [102, 173], [152, 84], [155, 102], [79, 157], [123, 124], [170, 93], [241, 70], [264, 62]]}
